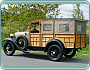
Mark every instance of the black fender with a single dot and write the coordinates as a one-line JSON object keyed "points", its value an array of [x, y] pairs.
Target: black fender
{"points": [[54, 41], [13, 41]]}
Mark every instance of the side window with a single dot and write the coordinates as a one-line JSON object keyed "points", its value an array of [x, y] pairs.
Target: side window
{"points": [[35, 28], [47, 27], [80, 28], [63, 27]]}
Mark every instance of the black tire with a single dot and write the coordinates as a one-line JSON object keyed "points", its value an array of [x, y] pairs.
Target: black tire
{"points": [[54, 52], [22, 42], [9, 48], [69, 53]]}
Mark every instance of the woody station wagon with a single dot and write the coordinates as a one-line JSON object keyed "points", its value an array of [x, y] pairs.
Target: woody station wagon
{"points": [[57, 37]]}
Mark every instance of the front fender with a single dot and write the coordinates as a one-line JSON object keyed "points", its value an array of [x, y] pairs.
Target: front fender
{"points": [[9, 39], [13, 41]]}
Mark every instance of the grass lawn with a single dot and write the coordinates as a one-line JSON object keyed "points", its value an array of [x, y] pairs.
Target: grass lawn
{"points": [[2, 38], [87, 27], [83, 53]]}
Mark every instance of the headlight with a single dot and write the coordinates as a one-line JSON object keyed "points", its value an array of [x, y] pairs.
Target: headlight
{"points": [[11, 35]]}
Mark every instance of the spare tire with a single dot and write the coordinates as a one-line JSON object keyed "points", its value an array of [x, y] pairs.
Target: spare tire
{"points": [[22, 42]]}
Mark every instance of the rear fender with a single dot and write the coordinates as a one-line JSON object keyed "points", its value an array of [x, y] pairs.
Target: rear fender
{"points": [[54, 41]]}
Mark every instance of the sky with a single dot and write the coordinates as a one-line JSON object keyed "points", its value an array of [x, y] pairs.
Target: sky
{"points": [[66, 10]]}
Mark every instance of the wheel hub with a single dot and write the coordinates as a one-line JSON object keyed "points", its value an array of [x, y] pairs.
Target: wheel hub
{"points": [[54, 52], [21, 43], [9, 48]]}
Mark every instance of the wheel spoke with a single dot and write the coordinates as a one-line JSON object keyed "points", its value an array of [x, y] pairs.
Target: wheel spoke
{"points": [[8, 48], [54, 53]]}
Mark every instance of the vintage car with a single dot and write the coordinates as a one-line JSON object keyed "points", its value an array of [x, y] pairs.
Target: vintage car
{"points": [[57, 37]]}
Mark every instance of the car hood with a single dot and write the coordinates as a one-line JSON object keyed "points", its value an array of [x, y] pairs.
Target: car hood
{"points": [[21, 33]]}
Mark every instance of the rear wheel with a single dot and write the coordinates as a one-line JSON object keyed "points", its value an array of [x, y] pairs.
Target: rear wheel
{"points": [[9, 48], [69, 53], [54, 52]]}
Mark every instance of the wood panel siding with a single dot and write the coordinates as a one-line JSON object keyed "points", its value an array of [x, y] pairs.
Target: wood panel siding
{"points": [[34, 39], [66, 39], [80, 40], [41, 39], [46, 38]]}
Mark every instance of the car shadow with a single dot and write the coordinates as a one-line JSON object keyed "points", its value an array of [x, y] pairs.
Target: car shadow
{"points": [[33, 55], [45, 57]]}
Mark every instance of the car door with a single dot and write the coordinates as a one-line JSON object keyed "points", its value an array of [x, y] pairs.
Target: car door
{"points": [[47, 32], [34, 34]]}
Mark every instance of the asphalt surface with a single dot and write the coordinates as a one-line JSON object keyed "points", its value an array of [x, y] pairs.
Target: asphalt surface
{"points": [[36, 59]]}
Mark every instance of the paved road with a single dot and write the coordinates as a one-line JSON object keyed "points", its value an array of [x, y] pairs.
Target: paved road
{"points": [[35, 59]]}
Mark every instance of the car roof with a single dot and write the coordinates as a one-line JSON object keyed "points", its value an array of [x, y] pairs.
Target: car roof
{"points": [[60, 19]]}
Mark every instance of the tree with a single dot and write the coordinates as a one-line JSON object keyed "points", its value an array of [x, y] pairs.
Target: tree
{"points": [[17, 16], [4, 16], [77, 13]]}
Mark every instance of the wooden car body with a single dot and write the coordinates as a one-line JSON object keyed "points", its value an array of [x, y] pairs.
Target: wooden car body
{"points": [[72, 32]]}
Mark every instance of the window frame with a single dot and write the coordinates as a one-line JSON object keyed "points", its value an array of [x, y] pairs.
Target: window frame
{"points": [[47, 31], [83, 25], [35, 23]]}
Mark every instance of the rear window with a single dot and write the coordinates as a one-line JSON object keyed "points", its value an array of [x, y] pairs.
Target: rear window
{"points": [[80, 28]]}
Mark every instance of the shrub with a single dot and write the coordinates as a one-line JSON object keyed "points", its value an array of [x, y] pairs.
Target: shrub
{"points": [[3, 36]]}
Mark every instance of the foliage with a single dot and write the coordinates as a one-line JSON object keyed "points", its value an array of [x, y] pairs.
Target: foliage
{"points": [[77, 13], [2, 42], [17, 16], [87, 39], [3, 36], [87, 27]]}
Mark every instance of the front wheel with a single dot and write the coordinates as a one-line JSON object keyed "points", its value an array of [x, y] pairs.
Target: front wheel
{"points": [[9, 48], [54, 52], [69, 53]]}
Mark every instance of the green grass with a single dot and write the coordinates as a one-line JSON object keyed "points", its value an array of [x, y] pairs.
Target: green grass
{"points": [[87, 27], [83, 53], [2, 38]]}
